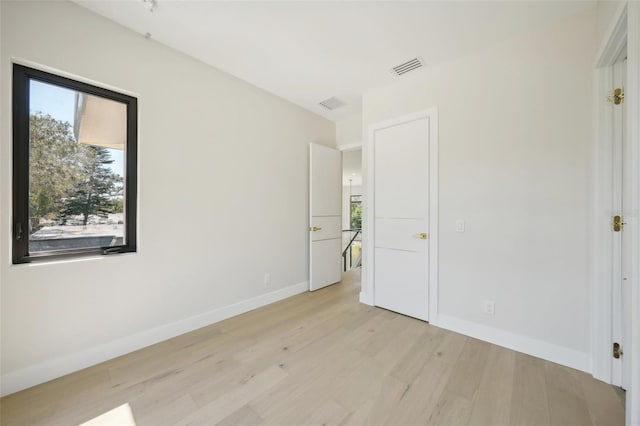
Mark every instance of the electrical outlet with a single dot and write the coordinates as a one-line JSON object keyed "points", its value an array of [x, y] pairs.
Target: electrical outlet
{"points": [[489, 307], [459, 225], [267, 278]]}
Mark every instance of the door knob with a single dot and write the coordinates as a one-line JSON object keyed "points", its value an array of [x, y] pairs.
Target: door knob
{"points": [[618, 224], [315, 228], [423, 236]]}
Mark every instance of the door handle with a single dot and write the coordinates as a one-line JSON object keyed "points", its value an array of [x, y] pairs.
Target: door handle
{"points": [[18, 231], [423, 235], [618, 224], [314, 229]]}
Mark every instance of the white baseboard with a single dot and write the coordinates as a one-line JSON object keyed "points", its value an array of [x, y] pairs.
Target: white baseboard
{"points": [[49, 370], [365, 298], [538, 348]]}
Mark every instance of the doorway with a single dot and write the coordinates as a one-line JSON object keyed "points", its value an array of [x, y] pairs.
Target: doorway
{"points": [[616, 297], [401, 226], [352, 209], [352, 199]]}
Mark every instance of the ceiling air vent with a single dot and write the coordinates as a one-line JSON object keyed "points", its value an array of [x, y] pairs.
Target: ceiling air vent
{"points": [[404, 68], [331, 103]]}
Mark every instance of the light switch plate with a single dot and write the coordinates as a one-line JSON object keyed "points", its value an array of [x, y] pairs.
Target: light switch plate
{"points": [[489, 307]]}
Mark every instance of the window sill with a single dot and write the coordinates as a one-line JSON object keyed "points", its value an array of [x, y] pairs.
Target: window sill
{"points": [[57, 259]]}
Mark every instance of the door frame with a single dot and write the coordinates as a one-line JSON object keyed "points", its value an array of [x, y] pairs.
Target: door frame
{"points": [[368, 213], [633, 132], [604, 257], [624, 30]]}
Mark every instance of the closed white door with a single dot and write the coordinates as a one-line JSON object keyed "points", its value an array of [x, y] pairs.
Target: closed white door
{"points": [[401, 212], [325, 209]]}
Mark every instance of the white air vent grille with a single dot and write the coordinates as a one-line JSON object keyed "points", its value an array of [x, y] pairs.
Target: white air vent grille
{"points": [[331, 103], [404, 68]]}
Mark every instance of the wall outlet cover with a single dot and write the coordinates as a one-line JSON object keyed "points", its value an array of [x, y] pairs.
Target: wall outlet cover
{"points": [[489, 307]]}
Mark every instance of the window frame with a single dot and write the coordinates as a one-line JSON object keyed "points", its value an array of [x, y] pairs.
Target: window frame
{"points": [[22, 75]]}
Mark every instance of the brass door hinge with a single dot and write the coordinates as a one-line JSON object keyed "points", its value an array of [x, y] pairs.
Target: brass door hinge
{"points": [[616, 97], [617, 350], [618, 224]]}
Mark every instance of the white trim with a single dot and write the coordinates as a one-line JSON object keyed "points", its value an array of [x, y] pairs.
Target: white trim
{"points": [[61, 73], [433, 213], [48, 370], [365, 297], [368, 231], [534, 347], [633, 133], [353, 146], [624, 30], [614, 39]]}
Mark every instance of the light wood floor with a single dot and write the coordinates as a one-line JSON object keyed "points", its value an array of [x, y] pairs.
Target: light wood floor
{"points": [[323, 358]]}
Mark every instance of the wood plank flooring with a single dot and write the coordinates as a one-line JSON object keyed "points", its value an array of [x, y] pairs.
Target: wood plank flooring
{"points": [[322, 358]]}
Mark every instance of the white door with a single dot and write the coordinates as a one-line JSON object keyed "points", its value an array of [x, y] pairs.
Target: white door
{"points": [[325, 210], [401, 215], [621, 240]]}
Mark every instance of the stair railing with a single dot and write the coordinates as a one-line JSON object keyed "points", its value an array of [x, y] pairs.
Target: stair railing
{"points": [[347, 250]]}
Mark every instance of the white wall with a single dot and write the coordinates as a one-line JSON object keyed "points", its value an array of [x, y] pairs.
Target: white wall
{"points": [[515, 141], [351, 171], [349, 130], [352, 167], [222, 200], [607, 13]]}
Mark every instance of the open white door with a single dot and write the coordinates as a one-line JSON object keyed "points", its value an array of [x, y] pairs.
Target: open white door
{"points": [[325, 211], [622, 208]]}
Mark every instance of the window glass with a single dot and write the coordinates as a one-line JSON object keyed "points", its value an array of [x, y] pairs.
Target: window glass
{"points": [[76, 169], [356, 211], [74, 172]]}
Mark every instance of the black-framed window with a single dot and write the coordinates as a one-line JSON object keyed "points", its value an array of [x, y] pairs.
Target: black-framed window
{"points": [[74, 167]]}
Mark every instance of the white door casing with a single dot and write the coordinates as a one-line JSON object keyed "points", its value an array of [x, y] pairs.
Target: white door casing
{"points": [[624, 31], [325, 216], [400, 203], [633, 153], [633, 132], [606, 242]]}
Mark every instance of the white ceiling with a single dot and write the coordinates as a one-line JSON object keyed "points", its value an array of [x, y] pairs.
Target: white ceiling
{"points": [[307, 52]]}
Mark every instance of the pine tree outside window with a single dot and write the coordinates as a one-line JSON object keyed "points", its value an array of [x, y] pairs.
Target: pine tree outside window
{"points": [[74, 168], [356, 212]]}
